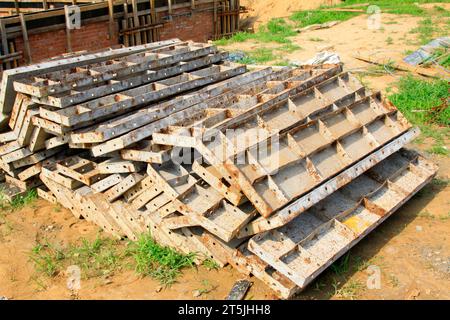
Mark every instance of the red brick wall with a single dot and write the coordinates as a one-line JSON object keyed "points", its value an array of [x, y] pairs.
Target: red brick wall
{"points": [[197, 27], [90, 36]]}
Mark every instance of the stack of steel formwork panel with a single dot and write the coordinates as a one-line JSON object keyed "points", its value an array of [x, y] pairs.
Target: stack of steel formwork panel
{"points": [[276, 171]]}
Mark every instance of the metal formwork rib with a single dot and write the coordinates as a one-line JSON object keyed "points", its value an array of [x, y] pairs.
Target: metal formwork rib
{"points": [[206, 207]]}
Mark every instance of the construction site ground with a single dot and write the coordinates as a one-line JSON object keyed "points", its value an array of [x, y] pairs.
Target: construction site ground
{"points": [[411, 248]]}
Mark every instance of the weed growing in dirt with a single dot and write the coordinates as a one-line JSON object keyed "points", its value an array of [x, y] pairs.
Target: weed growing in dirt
{"points": [[393, 280], [23, 200], [99, 257], [47, 259], [272, 55], [350, 290], [19, 201], [342, 265], [439, 150], [425, 31], [425, 103], [310, 17], [440, 182], [210, 264], [389, 40], [288, 47], [445, 217], [161, 263], [206, 288], [258, 56], [360, 264]]}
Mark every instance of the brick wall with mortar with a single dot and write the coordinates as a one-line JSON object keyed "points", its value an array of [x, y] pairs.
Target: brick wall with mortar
{"points": [[197, 27], [91, 36]]}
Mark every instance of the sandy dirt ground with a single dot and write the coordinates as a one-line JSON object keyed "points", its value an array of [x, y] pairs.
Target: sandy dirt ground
{"points": [[262, 11], [412, 248]]}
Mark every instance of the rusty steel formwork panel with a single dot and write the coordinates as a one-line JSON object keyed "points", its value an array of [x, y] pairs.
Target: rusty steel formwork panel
{"points": [[70, 86], [295, 147], [303, 248], [132, 98], [8, 94]]}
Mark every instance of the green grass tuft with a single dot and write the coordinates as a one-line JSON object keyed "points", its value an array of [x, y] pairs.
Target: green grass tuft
{"points": [[100, 257], [161, 263], [47, 259], [210, 264], [103, 256], [19, 201], [24, 200], [439, 149], [258, 56], [342, 265]]}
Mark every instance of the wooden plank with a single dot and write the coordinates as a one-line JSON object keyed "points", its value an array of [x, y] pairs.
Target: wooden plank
{"points": [[136, 21], [111, 18], [5, 48], [25, 39], [403, 66], [68, 28]]}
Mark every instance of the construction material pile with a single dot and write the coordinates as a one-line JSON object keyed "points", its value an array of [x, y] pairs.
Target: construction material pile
{"points": [[276, 171]]}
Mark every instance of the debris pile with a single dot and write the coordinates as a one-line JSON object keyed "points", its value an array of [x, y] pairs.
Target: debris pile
{"points": [[276, 171]]}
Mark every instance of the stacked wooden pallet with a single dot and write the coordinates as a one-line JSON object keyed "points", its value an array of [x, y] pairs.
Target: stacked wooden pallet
{"points": [[275, 171]]}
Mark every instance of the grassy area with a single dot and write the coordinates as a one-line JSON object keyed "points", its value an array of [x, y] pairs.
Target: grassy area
{"points": [[161, 263], [429, 29], [425, 103], [395, 6], [310, 17], [343, 280], [276, 30], [102, 257]]}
